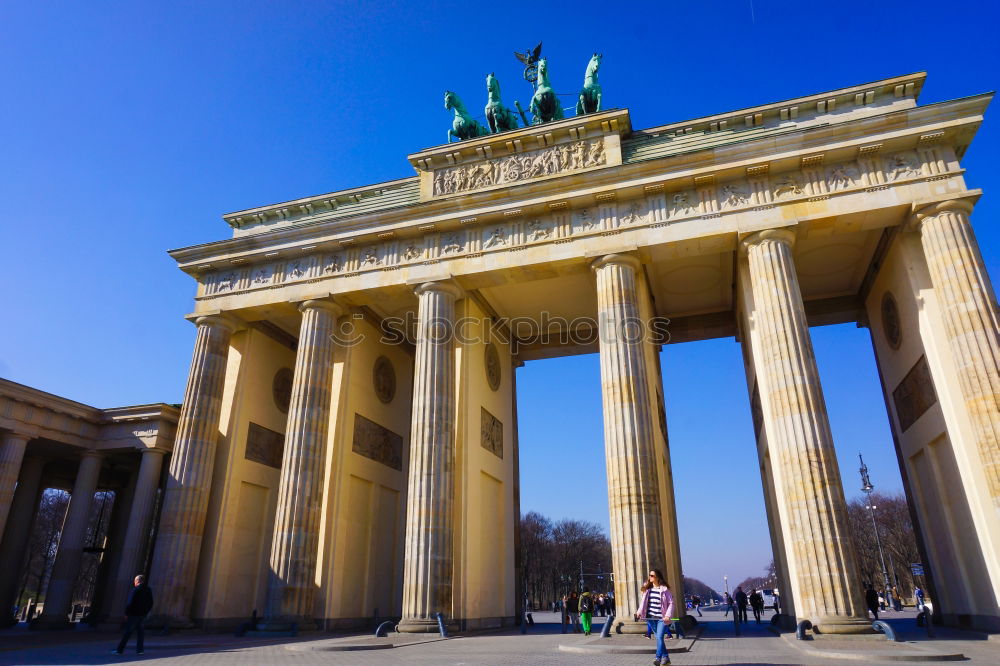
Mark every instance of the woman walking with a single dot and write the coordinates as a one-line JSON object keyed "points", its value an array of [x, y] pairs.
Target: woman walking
{"points": [[657, 604]]}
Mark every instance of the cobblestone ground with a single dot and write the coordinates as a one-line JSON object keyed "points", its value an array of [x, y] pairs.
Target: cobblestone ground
{"points": [[717, 645]]}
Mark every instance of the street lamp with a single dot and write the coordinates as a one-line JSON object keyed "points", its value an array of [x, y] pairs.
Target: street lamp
{"points": [[867, 487], [725, 579]]}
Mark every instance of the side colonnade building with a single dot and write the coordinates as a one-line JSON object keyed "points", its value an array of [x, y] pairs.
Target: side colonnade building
{"points": [[50, 442], [347, 447]]}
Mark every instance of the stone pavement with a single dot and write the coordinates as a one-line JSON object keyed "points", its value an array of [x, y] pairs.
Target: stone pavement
{"points": [[717, 645]]}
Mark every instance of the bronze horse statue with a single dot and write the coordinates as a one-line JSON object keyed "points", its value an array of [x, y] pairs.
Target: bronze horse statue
{"points": [[463, 126], [498, 116], [590, 96], [545, 104]]}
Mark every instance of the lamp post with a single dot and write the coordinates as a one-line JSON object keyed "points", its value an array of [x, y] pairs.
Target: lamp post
{"points": [[867, 488], [725, 579]]}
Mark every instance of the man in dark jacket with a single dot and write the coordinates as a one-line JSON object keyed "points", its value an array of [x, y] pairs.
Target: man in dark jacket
{"points": [[741, 605], [871, 599], [140, 602]]}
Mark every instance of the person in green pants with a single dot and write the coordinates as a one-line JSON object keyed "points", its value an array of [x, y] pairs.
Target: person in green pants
{"points": [[586, 610]]}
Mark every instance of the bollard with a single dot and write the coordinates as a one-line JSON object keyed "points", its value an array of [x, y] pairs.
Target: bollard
{"points": [[883, 628], [443, 629], [800, 631], [606, 629], [736, 622], [524, 622], [383, 629]]}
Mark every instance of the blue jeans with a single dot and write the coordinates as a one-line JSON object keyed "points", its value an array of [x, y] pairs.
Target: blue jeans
{"points": [[661, 648]]}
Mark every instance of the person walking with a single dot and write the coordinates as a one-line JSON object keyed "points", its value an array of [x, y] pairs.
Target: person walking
{"points": [[586, 610], [696, 603], [918, 594], [897, 603], [871, 599], [729, 605], [140, 602], [757, 605], [573, 611], [657, 604], [741, 604]]}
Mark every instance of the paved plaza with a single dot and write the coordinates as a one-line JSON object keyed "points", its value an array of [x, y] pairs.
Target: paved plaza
{"points": [[716, 645]]}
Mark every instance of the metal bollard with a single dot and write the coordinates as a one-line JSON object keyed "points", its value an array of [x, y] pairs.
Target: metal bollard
{"points": [[383, 629], [606, 629], [736, 622], [443, 629], [800, 631]]}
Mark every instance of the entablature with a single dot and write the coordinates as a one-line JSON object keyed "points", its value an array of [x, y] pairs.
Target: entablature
{"points": [[870, 152]]}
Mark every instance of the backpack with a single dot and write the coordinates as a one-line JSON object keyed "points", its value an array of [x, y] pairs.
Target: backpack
{"points": [[586, 604]]}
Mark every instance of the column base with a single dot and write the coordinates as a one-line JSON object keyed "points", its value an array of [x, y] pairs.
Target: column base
{"points": [[841, 625], [629, 626], [419, 625]]}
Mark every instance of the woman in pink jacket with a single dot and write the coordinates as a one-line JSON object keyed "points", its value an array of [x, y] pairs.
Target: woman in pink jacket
{"points": [[657, 604]]}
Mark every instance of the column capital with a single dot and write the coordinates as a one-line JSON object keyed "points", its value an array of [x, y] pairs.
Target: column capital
{"points": [[16, 436], [216, 319], [153, 449], [321, 304], [443, 286], [922, 212], [91, 453], [783, 235], [622, 259]]}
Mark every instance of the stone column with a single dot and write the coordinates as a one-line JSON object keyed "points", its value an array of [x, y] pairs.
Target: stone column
{"points": [[428, 559], [185, 500], [14, 547], [140, 513], [637, 541], [11, 454], [66, 568], [828, 589], [291, 589], [968, 308]]}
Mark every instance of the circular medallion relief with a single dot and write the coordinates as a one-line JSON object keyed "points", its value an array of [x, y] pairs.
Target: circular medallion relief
{"points": [[281, 389], [384, 379], [890, 321], [492, 366]]}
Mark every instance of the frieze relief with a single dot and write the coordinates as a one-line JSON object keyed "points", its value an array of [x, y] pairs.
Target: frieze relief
{"points": [[660, 206], [563, 158]]}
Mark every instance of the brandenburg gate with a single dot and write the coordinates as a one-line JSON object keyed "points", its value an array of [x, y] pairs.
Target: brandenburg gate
{"points": [[348, 441]]}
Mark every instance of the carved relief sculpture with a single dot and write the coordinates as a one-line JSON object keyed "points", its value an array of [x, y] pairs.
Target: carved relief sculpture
{"points": [[839, 177], [537, 230], [513, 168], [787, 185], [497, 237], [733, 195], [900, 166]]}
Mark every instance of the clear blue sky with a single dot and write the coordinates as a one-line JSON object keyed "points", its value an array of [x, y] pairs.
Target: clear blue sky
{"points": [[128, 128]]}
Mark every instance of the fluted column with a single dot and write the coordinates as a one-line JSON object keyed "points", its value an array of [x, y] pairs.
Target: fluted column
{"points": [[428, 559], [19, 520], [11, 455], [798, 432], [968, 308], [66, 568], [637, 542], [185, 500], [291, 589], [140, 513]]}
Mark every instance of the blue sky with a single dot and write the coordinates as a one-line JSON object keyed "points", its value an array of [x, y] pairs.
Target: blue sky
{"points": [[129, 128]]}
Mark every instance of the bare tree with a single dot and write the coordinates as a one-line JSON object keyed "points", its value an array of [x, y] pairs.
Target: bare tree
{"points": [[899, 544]]}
